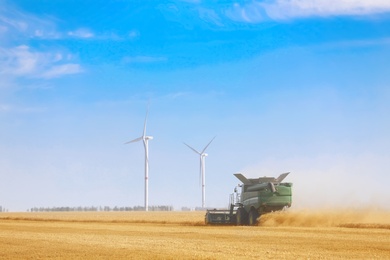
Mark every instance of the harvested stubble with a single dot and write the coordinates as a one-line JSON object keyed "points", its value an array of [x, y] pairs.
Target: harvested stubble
{"points": [[177, 235]]}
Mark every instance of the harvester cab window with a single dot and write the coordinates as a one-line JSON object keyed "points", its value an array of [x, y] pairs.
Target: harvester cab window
{"points": [[237, 192]]}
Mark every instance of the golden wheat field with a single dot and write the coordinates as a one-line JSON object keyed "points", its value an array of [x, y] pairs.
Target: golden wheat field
{"points": [[305, 234]]}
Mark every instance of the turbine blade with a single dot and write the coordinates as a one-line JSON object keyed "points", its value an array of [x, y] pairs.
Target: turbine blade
{"points": [[146, 118], [135, 140], [208, 144], [192, 148]]}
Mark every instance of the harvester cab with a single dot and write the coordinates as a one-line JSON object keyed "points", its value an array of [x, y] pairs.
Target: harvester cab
{"points": [[251, 199]]}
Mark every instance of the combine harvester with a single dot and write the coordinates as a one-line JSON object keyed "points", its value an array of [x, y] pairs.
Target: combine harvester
{"points": [[257, 197]]}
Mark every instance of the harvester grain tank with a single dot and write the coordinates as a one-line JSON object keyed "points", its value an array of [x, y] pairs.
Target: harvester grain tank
{"points": [[257, 196]]}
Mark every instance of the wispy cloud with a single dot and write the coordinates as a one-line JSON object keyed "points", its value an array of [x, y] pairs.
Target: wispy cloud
{"points": [[81, 33], [18, 59], [258, 11], [210, 16], [15, 24], [61, 70], [21, 61]]}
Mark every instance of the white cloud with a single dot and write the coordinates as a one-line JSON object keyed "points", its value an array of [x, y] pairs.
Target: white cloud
{"points": [[258, 11], [21, 61], [18, 61]]}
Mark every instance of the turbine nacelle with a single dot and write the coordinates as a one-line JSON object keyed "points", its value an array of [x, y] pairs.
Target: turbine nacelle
{"points": [[148, 137]]}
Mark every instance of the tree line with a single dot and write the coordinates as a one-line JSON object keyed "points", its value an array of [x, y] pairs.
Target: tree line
{"points": [[100, 208]]}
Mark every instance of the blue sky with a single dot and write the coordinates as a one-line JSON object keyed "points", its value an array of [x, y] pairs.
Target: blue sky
{"points": [[300, 86]]}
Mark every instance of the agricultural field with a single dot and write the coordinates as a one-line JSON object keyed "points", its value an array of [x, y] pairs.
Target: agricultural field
{"points": [[354, 234]]}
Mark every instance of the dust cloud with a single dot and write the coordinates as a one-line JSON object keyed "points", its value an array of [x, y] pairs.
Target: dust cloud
{"points": [[352, 218]]}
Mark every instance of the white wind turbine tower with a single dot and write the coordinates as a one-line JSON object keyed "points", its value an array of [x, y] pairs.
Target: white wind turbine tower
{"points": [[145, 138], [202, 155]]}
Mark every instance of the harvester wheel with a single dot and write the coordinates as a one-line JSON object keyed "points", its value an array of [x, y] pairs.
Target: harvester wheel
{"points": [[241, 217], [253, 215]]}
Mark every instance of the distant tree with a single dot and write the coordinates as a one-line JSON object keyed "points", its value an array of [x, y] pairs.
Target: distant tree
{"points": [[93, 208]]}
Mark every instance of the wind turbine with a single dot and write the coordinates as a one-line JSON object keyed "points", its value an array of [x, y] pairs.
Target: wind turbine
{"points": [[202, 155], [145, 138]]}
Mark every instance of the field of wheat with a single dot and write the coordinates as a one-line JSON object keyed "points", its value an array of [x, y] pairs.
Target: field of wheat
{"points": [[349, 234]]}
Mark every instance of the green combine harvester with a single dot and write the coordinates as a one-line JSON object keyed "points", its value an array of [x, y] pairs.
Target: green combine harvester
{"points": [[257, 197]]}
